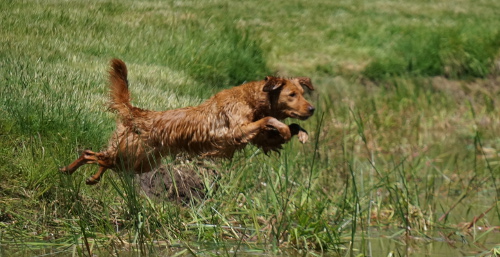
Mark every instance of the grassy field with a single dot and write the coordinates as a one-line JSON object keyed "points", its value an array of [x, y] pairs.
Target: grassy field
{"points": [[404, 144]]}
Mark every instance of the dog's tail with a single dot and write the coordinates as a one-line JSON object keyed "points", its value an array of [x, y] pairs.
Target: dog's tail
{"points": [[120, 95]]}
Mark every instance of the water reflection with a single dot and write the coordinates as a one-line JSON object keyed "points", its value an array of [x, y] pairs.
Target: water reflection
{"points": [[377, 243]]}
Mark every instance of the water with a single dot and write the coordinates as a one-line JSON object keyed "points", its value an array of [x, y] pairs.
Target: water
{"points": [[434, 244], [378, 242]]}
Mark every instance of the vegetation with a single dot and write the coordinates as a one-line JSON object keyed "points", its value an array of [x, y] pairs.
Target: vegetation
{"points": [[404, 144]]}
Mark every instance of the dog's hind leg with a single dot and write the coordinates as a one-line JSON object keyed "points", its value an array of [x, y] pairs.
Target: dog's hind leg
{"points": [[87, 157], [94, 179]]}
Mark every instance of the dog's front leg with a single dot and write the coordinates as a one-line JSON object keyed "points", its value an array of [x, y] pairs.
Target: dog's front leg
{"points": [[247, 132], [301, 133]]}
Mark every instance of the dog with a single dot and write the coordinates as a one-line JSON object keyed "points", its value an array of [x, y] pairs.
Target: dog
{"points": [[222, 125]]}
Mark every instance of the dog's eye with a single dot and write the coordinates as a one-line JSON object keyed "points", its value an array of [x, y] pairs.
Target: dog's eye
{"points": [[293, 94]]}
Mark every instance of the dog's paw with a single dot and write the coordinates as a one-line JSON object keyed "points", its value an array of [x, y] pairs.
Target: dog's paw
{"points": [[301, 133], [303, 136], [64, 170]]}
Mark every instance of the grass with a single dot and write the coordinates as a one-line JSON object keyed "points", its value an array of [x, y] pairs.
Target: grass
{"points": [[404, 142]]}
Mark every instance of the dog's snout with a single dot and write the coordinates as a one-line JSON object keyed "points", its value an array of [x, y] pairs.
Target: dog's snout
{"points": [[311, 109]]}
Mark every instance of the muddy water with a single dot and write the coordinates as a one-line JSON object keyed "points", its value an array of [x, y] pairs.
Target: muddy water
{"points": [[434, 244], [378, 243]]}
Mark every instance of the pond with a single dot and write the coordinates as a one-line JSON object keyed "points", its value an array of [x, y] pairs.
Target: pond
{"points": [[434, 244], [378, 242]]}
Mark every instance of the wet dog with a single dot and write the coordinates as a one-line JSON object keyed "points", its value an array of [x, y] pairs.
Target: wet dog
{"points": [[225, 123]]}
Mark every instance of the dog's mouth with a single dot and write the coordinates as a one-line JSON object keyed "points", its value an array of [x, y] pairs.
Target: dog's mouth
{"points": [[299, 116]]}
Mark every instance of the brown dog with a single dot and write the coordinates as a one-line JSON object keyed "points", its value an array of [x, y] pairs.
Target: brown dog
{"points": [[225, 123]]}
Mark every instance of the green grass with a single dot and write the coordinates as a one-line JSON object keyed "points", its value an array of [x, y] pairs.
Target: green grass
{"points": [[404, 142]]}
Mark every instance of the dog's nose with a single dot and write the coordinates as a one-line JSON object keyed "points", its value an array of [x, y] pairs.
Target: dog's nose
{"points": [[311, 109]]}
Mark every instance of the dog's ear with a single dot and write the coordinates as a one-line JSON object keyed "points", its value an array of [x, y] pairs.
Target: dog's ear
{"points": [[272, 83], [305, 82]]}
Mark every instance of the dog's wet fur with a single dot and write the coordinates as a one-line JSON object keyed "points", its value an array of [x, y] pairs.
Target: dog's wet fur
{"points": [[225, 123]]}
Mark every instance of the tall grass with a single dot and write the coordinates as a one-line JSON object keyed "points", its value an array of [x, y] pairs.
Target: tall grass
{"points": [[404, 142], [460, 51]]}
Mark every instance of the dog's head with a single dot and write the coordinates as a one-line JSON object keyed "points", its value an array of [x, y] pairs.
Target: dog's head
{"points": [[287, 97]]}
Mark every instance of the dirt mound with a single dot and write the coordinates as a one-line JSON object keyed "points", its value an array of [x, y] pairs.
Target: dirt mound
{"points": [[183, 182]]}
